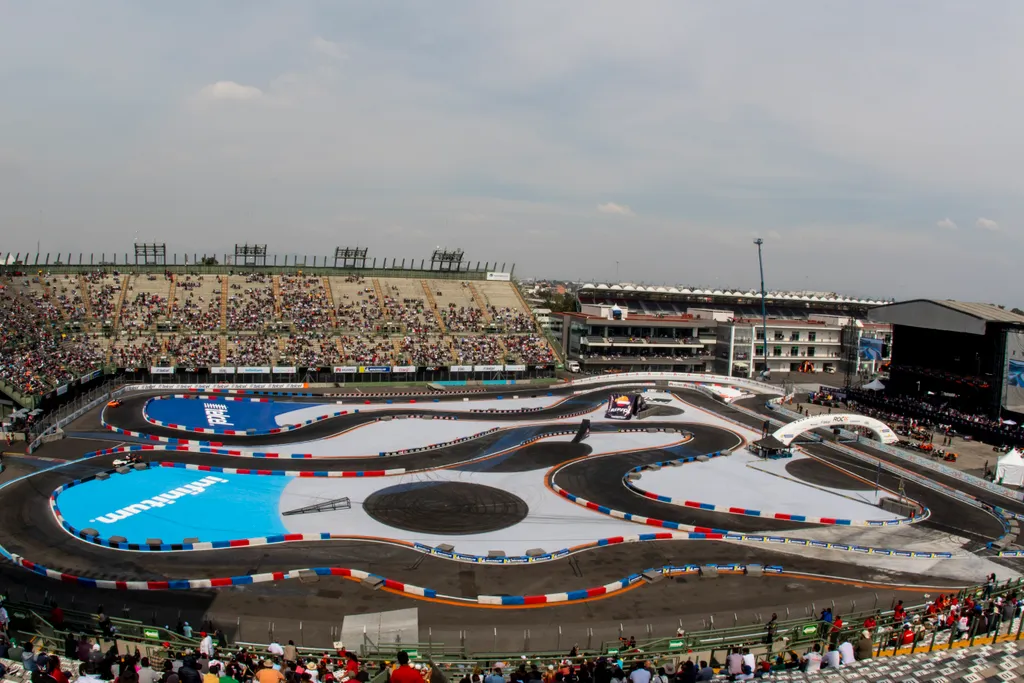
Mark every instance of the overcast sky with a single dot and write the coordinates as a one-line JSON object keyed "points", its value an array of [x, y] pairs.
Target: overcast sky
{"points": [[876, 146]]}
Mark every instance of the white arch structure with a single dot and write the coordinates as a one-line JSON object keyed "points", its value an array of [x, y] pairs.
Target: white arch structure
{"points": [[794, 429]]}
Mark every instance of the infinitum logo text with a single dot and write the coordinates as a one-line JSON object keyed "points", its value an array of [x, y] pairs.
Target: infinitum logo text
{"points": [[193, 489]]}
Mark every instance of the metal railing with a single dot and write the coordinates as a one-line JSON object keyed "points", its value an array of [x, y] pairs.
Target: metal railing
{"points": [[789, 634]]}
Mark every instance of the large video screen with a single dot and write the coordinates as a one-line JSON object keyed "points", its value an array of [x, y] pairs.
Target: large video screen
{"points": [[1013, 387]]}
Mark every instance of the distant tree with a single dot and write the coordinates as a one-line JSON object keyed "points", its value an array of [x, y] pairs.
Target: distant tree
{"points": [[209, 260], [1017, 311], [560, 303]]}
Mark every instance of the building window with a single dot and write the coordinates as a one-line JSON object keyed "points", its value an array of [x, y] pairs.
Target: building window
{"points": [[759, 351], [776, 350], [794, 336], [760, 335], [812, 336], [794, 350], [810, 351]]}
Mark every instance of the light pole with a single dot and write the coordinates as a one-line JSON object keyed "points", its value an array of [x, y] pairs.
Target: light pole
{"points": [[764, 313]]}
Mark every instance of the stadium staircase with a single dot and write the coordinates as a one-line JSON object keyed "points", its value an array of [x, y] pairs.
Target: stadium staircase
{"points": [[380, 298], [223, 349], [171, 295], [399, 357], [330, 302], [115, 326], [526, 307], [341, 348], [276, 284], [224, 293], [504, 349], [433, 306], [83, 287], [455, 354], [480, 303]]}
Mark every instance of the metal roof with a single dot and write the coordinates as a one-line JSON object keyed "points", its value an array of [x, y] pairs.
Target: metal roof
{"points": [[986, 312], [945, 314]]}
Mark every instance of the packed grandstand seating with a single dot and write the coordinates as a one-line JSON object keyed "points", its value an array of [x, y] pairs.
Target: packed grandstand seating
{"points": [[937, 414], [59, 326], [972, 635]]}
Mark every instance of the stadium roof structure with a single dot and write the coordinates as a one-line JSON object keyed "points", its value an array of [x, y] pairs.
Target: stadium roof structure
{"points": [[946, 314], [742, 294]]}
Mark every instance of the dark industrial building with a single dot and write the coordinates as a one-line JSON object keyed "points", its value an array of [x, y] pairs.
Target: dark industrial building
{"points": [[969, 355]]}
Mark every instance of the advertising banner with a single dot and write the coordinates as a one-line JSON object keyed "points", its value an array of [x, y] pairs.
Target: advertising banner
{"points": [[374, 368], [342, 369], [62, 389], [280, 370], [515, 368], [261, 370], [404, 369], [461, 368], [222, 371], [487, 368], [499, 277], [161, 371]]}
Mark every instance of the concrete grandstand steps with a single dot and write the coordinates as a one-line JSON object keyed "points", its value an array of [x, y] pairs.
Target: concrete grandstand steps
{"points": [[380, 298], [451, 346], [331, 311], [526, 306], [170, 296], [125, 285], [83, 287], [223, 349], [396, 343], [433, 306], [480, 303], [504, 349], [224, 294], [341, 348], [276, 287]]}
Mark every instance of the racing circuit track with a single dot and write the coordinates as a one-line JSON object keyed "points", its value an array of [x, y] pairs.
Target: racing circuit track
{"points": [[586, 478]]}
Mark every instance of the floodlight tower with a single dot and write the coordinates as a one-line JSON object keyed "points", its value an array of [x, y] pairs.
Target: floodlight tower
{"points": [[764, 313]]}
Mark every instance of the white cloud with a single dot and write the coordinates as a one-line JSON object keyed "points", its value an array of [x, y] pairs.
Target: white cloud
{"points": [[613, 208], [946, 224], [986, 224], [229, 90], [328, 48], [774, 234]]}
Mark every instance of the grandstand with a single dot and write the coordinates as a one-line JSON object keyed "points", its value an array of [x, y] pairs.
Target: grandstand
{"points": [[898, 644], [267, 321]]}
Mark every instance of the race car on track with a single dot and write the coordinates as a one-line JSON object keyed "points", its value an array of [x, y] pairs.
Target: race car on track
{"points": [[114, 404], [128, 460]]}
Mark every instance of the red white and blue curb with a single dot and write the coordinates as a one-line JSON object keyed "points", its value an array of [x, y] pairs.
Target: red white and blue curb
{"points": [[731, 510], [709, 533]]}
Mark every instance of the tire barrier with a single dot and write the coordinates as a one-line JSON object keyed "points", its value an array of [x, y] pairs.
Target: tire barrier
{"points": [[708, 533], [788, 517], [231, 432]]}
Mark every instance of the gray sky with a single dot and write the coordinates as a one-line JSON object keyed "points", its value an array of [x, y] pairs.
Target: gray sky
{"points": [[875, 146]]}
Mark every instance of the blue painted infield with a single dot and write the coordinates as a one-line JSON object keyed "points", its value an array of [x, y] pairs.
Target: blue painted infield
{"points": [[191, 413], [237, 506]]}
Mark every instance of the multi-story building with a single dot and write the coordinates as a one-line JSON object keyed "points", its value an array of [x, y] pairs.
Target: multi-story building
{"points": [[810, 346], [606, 338]]}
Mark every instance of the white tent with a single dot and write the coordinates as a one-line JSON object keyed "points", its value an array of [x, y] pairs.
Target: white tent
{"points": [[873, 385], [1010, 469]]}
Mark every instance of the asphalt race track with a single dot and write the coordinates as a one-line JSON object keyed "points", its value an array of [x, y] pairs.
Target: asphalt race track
{"points": [[449, 492]]}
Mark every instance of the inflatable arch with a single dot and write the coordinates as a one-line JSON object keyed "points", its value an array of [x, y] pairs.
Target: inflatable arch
{"points": [[794, 429]]}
